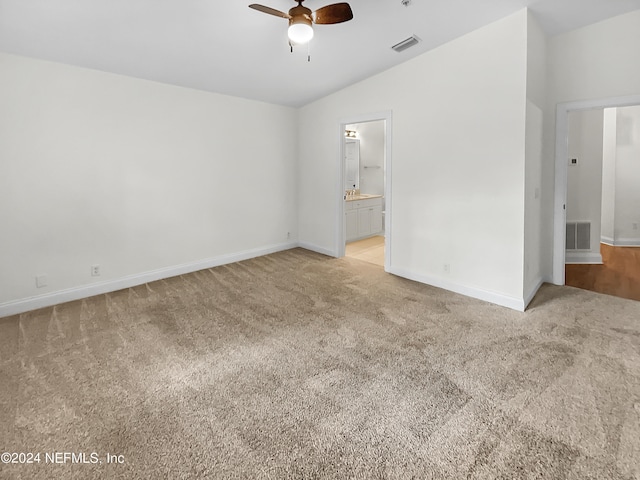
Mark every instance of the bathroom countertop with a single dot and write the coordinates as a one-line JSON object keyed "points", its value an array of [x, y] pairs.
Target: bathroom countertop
{"points": [[362, 196]]}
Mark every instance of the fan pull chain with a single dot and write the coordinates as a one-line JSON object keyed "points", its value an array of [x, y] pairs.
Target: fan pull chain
{"points": [[308, 50]]}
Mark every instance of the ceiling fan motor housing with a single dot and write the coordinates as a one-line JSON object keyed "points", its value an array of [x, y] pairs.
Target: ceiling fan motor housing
{"points": [[300, 14]]}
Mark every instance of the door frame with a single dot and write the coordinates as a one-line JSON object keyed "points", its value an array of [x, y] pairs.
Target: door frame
{"points": [[340, 240], [562, 156]]}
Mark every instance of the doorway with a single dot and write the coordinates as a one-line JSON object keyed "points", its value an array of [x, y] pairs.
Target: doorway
{"points": [[603, 194], [364, 222], [586, 254]]}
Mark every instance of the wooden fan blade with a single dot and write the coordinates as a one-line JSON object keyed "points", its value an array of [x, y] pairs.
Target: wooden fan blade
{"points": [[336, 13], [269, 10]]}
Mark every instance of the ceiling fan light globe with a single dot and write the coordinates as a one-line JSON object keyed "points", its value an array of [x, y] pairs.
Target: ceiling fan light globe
{"points": [[300, 33]]}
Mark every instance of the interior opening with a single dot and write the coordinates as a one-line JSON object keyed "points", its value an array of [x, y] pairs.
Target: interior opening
{"points": [[603, 194], [364, 191]]}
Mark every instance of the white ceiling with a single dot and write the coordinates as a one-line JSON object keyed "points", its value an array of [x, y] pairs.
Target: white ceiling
{"points": [[224, 46]]}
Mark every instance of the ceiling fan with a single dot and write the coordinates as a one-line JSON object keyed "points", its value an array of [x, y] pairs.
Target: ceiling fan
{"points": [[301, 18]]}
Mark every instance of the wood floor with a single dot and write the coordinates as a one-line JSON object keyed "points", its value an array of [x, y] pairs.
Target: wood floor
{"points": [[369, 250], [619, 274]]}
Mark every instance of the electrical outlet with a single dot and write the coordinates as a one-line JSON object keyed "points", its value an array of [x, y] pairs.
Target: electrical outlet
{"points": [[41, 280], [634, 226], [288, 234], [95, 270], [447, 268]]}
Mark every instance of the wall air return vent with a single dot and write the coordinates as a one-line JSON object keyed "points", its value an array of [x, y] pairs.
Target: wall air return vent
{"points": [[406, 43], [578, 236]]}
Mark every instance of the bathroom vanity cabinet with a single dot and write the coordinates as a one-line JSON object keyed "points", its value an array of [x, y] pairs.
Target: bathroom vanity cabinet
{"points": [[363, 216]]}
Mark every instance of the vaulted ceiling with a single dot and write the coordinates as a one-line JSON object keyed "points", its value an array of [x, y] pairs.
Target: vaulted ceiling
{"points": [[224, 46]]}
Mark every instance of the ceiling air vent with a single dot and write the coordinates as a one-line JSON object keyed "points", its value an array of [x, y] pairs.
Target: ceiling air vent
{"points": [[406, 43]]}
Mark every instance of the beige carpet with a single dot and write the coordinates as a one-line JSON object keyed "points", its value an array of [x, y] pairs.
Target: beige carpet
{"points": [[296, 365]]}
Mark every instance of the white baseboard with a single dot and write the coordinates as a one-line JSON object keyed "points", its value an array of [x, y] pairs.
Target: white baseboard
{"points": [[583, 257], [607, 240], [627, 242], [317, 249], [53, 298], [621, 242], [492, 297]]}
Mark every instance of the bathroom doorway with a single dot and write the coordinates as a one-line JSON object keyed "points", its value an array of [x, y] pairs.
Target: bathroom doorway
{"points": [[365, 161]]}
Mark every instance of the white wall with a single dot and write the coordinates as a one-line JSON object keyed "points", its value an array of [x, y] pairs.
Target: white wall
{"points": [[627, 220], [609, 141], [621, 174], [533, 214], [536, 96], [595, 62], [457, 166], [584, 180], [135, 176]]}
